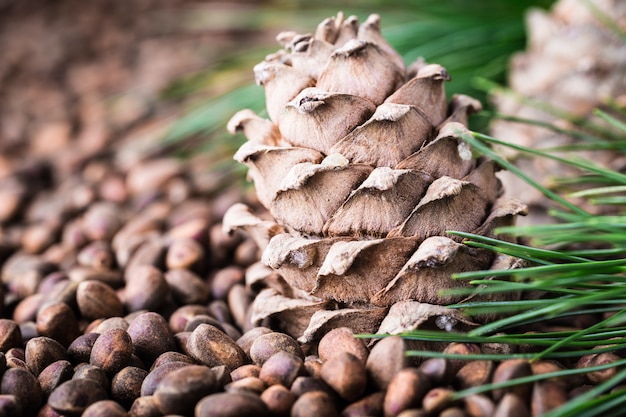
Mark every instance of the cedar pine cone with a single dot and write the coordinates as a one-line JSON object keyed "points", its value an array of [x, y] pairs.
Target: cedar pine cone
{"points": [[363, 171]]}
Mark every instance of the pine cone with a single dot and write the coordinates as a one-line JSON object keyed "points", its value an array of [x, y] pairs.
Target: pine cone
{"points": [[574, 62], [363, 171]]}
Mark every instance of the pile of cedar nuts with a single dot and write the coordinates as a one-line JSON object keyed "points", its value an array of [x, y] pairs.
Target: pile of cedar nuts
{"points": [[122, 295]]}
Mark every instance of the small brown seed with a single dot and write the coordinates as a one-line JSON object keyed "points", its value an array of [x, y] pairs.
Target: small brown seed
{"points": [[92, 372], [313, 365], [478, 405], [112, 278], [304, 384], [575, 392], [24, 386], [453, 412], [74, 396], [29, 330], [109, 324], [246, 253], [235, 404], [245, 371], [213, 347], [219, 309], [54, 375], [97, 255], [267, 345], [222, 244], [126, 385], [249, 384], [413, 413], [436, 369], [154, 377], [247, 339], [346, 374], [182, 339], [239, 301], [386, 359], [56, 282], [231, 331], [511, 405], [102, 220], [152, 174], [47, 411], [187, 287], [39, 236], [98, 300], [150, 219], [17, 353], [191, 209], [224, 279], [151, 336], [202, 318], [58, 321], [222, 375], [80, 349], [437, 399], [107, 408], [146, 289], [313, 404], [10, 335], [181, 316], [281, 368], [144, 406], [604, 358], [184, 253], [341, 339], [460, 349], [3, 364], [372, 405], [171, 356], [150, 252], [278, 400], [474, 373], [144, 248], [22, 273], [26, 309], [549, 366], [405, 391], [14, 362], [41, 352], [197, 229], [112, 351], [546, 396], [72, 235], [509, 370], [9, 405], [180, 390]]}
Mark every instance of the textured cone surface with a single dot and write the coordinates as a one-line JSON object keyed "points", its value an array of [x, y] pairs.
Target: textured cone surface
{"points": [[574, 62], [363, 167]]}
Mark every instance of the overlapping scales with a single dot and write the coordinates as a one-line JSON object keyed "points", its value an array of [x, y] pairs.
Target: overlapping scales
{"points": [[362, 166]]}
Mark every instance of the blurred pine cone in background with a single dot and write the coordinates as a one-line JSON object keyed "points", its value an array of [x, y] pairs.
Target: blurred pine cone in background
{"points": [[575, 62], [363, 171]]}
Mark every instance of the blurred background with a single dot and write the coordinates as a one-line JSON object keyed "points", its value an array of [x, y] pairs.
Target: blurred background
{"points": [[91, 73]]}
